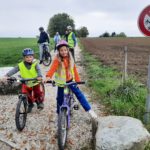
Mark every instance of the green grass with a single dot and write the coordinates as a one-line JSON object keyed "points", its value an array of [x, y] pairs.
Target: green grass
{"points": [[126, 98], [11, 49]]}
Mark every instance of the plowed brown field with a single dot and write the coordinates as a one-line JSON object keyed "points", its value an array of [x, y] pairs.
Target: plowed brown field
{"points": [[110, 51]]}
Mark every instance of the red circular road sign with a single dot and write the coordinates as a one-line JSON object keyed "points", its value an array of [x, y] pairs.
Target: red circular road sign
{"points": [[144, 21]]}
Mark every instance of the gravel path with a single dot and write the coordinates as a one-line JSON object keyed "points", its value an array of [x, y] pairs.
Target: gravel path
{"points": [[40, 130]]}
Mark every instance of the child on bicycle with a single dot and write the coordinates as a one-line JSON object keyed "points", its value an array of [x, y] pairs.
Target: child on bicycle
{"points": [[65, 71], [29, 68]]}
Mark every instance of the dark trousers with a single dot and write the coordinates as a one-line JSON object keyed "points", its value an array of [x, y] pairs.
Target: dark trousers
{"points": [[80, 96], [72, 52]]}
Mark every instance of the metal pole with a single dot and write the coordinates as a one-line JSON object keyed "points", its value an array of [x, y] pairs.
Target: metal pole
{"points": [[125, 63], [147, 113]]}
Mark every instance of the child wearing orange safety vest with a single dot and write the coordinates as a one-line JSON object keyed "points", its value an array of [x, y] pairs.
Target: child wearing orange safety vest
{"points": [[65, 71]]}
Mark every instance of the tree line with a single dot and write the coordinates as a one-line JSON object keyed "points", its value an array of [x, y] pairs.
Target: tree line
{"points": [[60, 21]]}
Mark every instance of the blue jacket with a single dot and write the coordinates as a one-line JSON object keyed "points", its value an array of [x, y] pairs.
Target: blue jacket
{"points": [[57, 38]]}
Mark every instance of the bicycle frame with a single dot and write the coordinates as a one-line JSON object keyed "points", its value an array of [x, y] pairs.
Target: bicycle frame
{"points": [[67, 103]]}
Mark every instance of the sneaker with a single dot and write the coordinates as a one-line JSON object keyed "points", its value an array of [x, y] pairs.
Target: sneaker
{"points": [[40, 62], [30, 106], [93, 114], [40, 106]]}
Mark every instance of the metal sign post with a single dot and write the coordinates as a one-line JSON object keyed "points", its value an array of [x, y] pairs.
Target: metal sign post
{"points": [[147, 113]]}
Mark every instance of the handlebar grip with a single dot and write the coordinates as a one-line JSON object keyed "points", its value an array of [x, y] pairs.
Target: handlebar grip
{"points": [[50, 81], [11, 79], [81, 82]]}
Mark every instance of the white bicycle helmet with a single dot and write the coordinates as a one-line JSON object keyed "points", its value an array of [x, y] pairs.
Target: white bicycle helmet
{"points": [[69, 28]]}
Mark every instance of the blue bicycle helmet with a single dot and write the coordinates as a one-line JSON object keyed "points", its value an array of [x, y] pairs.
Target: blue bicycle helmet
{"points": [[27, 51]]}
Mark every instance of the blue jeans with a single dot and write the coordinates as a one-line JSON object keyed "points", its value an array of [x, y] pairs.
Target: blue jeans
{"points": [[80, 96]]}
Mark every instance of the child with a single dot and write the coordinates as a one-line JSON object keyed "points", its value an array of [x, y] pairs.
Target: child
{"points": [[65, 71], [29, 68]]}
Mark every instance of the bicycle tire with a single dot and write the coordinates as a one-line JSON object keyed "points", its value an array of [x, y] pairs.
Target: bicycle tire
{"points": [[47, 58], [21, 116], [62, 129]]}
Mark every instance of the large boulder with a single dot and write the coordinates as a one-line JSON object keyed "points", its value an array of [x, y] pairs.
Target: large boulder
{"points": [[121, 133], [8, 87]]}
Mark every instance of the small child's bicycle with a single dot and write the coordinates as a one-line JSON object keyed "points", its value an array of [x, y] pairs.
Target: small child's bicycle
{"points": [[22, 105], [46, 57], [64, 115]]}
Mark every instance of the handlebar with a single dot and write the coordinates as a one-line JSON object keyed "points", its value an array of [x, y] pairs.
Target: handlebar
{"points": [[66, 84], [13, 79]]}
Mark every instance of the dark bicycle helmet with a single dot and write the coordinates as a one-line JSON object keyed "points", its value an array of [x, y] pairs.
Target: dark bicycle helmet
{"points": [[61, 43], [41, 28], [27, 51]]}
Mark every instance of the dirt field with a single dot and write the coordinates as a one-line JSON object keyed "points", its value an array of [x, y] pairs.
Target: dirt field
{"points": [[110, 51]]}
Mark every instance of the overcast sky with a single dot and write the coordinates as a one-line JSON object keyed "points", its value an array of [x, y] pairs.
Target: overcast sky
{"points": [[22, 18]]}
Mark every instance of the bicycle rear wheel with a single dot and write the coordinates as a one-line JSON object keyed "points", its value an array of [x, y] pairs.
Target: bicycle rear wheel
{"points": [[47, 58], [62, 129], [21, 113]]}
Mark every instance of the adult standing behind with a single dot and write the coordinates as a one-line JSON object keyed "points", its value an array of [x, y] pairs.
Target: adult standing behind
{"points": [[57, 38], [71, 39], [43, 39], [66, 35]]}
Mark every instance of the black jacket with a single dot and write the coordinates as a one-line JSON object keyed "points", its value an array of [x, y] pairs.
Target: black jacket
{"points": [[43, 37]]}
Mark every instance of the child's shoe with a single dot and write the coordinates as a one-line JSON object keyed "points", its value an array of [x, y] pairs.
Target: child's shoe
{"points": [[93, 114], [40, 105]]}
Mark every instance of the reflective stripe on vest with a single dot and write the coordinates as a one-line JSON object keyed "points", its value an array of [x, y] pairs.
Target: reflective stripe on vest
{"points": [[70, 40], [28, 73], [60, 79]]}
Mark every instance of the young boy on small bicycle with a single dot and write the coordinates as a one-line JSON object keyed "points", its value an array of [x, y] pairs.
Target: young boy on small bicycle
{"points": [[65, 71], [29, 68]]}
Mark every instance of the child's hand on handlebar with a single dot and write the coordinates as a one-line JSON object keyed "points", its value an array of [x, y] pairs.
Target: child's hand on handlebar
{"points": [[47, 79], [39, 78]]}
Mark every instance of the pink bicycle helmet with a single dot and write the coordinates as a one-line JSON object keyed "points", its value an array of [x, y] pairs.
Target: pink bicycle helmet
{"points": [[61, 43]]}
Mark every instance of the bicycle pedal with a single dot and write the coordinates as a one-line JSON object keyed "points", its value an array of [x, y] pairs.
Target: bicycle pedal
{"points": [[76, 107]]}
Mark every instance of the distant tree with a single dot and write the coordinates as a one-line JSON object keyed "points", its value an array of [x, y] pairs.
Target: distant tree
{"points": [[121, 34], [82, 32], [59, 23], [106, 34], [113, 34]]}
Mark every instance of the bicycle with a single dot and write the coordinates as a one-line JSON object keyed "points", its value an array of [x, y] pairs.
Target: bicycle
{"points": [[64, 115], [22, 105], [46, 57]]}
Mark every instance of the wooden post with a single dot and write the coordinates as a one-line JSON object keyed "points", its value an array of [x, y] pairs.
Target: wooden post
{"points": [[125, 64], [147, 113]]}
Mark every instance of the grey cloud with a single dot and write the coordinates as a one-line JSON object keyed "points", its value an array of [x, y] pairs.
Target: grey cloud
{"points": [[25, 16]]}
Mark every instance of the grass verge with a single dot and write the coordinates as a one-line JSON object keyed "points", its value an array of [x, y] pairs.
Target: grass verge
{"points": [[127, 99], [11, 49]]}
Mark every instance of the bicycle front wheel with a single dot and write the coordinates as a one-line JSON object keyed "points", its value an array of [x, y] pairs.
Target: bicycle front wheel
{"points": [[47, 59], [21, 113], [62, 129]]}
